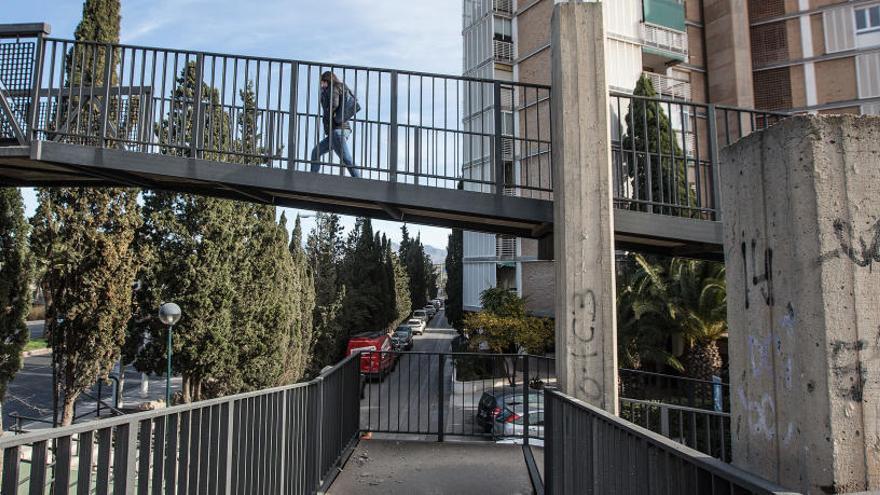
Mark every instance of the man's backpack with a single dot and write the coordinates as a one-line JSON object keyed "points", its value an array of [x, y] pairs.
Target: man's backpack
{"points": [[348, 109]]}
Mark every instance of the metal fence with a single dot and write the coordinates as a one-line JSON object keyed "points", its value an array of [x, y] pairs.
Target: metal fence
{"points": [[587, 450], [282, 440], [665, 152], [412, 127], [439, 394], [673, 389], [700, 429]]}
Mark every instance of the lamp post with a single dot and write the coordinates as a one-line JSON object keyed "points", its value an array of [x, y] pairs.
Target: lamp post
{"points": [[169, 314]]}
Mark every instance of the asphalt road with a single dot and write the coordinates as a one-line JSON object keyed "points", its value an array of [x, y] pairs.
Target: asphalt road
{"points": [[408, 400], [30, 393]]}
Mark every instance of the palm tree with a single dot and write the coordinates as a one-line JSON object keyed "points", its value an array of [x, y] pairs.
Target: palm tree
{"points": [[657, 297], [699, 305], [643, 321]]}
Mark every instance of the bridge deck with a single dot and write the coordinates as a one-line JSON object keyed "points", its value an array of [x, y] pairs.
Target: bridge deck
{"points": [[402, 467], [435, 149]]}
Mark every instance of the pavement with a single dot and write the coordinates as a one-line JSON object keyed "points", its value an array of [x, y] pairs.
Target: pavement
{"points": [[403, 467]]}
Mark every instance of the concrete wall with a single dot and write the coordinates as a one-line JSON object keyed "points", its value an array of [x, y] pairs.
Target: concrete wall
{"points": [[801, 203]]}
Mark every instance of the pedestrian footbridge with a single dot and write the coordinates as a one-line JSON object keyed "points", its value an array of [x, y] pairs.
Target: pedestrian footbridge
{"points": [[435, 149]]}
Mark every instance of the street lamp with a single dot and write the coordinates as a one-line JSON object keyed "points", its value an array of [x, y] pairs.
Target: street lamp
{"points": [[169, 314]]}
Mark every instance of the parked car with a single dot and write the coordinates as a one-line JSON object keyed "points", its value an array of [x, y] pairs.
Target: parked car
{"points": [[421, 314], [418, 325], [430, 310], [378, 358], [402, 338], [512, 424], [496, 404]]}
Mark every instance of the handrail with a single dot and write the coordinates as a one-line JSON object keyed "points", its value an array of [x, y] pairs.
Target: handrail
{"points": [[741, 478], [328, 65], [38, 436]]}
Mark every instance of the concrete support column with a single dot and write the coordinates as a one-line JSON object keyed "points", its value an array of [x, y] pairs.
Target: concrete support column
{"points": [[586, 330], [730, 66], [801, 205]]}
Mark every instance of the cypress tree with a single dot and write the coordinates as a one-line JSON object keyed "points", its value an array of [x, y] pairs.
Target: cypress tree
{"points": [[198, 245], [454, 277], [412, 255], [302, 331], [84, 237], [403, 301], [651, 143], [324, 252], [363, 274], [16, 274]]}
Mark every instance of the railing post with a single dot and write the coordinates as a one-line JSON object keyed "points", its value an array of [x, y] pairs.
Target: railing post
{"points": [[664, 421], [37, 81], [440, 405], [230, 429], [105, 107], [498, 158], [198, 123], [292, 126], [283, 443], [549, 440], [714, 158], [525, 400], [319, 441], [393, 138]]}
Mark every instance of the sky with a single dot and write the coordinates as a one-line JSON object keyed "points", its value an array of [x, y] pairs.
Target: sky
{"points": [[400, 34]]}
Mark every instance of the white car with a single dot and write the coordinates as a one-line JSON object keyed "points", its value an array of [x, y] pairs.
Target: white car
{"points": [[430, 310], [420, 314], [417, 325]]}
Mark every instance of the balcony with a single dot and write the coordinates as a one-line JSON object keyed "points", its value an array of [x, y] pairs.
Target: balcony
{"points": [[505, 246], [663, 47], [670, 87], [503, 7], [504, 51]]}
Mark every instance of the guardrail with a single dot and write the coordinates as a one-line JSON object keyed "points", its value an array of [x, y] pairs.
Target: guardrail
{"points": [[587, 450], [700, 429], [282, 440], [413, 127], [664, 152], [461, 394]]}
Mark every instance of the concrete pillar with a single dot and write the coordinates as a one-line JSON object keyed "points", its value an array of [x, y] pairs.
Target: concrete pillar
{"points": [[586, 340], [801, 206]]}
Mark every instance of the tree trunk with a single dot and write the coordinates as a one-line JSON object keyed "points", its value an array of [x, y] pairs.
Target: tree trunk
{"points": [[67, 410], [187, 383]]}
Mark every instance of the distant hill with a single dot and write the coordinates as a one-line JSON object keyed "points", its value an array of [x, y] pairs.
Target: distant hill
{"points": [[438, 255]]}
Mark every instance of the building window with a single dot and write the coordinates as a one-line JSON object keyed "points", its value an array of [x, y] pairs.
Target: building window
{"points": [[868, 19], [503, 29]]}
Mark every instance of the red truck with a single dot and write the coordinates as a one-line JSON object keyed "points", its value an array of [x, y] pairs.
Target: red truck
{"points": [[377, 358]]}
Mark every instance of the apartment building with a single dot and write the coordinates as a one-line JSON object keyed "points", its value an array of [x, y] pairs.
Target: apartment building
{"points": [[800, 55]]}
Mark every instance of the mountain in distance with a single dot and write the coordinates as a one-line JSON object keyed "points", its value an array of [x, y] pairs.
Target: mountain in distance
{"points": [[438, 255]]}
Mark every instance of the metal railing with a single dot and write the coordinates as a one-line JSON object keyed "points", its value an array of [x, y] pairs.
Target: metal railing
{"points": [[700, 429], [412, 127], [283, 440], [664, 152], [670, 87], [674, 390], [587, 450], [664, 38], [441, 394]]}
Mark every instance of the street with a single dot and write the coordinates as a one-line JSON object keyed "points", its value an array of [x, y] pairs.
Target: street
{"points": [[30, 393], [408, 399]]}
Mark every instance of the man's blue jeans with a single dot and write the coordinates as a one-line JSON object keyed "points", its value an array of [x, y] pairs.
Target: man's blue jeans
{"points": [[340, 146]]}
